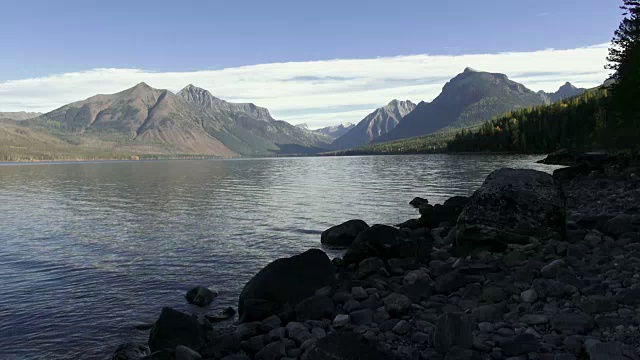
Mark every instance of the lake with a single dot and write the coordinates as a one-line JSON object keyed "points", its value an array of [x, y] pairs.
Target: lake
{"points": [[89, 250]]}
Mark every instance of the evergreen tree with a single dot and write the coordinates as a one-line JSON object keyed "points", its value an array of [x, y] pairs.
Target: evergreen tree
{"points": [[624, 57]]}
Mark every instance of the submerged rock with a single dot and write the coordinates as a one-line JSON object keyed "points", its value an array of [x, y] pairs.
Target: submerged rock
{"points": [[285, 281], [200, 296], [343, 234], [511, 206]]}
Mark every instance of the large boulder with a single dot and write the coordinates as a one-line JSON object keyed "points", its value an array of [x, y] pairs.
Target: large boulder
{"points": [[511, 207], [343, 234], [284, 283], [345, 345], [448, 212], [386, 242], [175, 328]]}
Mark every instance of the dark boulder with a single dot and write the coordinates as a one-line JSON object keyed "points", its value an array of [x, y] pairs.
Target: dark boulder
{"points": [[568, 173], [560, 157], [386, 242], [418, 202], [175, 328], [346, 346], [221, 345], [285, 281], [200, 296], [343, 234], [511, 206], [130, 351]]}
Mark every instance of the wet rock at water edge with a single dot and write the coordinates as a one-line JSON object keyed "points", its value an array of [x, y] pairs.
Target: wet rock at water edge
{"points": [[175, 328], [285, 281], [510, 207], [418, 202], [343, 234], [131, 351], [200, 296]]}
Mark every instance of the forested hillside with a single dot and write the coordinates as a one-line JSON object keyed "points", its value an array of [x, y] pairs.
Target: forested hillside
{"points": [[581, 122]]}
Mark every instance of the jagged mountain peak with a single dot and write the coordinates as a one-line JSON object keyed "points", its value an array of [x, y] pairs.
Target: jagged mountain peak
{"points": [[469, 69]]}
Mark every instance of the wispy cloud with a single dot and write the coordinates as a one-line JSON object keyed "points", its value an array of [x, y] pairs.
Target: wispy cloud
{"points": [[320, 93]]}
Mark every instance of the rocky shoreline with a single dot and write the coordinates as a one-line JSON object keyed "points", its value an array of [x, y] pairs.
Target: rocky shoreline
{"points": [[532, 266]]}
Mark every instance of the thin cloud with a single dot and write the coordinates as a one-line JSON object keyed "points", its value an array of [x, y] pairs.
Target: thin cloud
{"points": [[320, 93]]}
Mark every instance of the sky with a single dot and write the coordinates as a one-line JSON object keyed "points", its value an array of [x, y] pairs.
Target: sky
{"points": [[315, 62]]}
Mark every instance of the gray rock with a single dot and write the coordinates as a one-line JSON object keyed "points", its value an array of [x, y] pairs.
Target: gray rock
{"points": [[315, 308], [551, 270], [573, 323], [221, 345], [185, 353], [351, 305], [270, 323], [341, 320], [597, 304], [359, 293], [519, 345], [511, 206], [619, 225], [175, 328], [200, 296], [402, 327], [488, 313], [450, 282], [273, 351], [343, 234], [285, 281], [385, 242], [362, 317], [369, 266], [131, 351], [535, 319], [397, 304], [629, 296], [452, 329], [529, 296], [298, 332], [345, 346], [606, 351]]}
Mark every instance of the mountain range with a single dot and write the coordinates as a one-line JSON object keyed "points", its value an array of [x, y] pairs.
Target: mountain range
{"points": [[147, 121], [18, 115], [468, 99]]}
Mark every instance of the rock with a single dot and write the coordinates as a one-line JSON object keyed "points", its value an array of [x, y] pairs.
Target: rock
{"points": [[274, 351], [397, 304], [298, 332], [362, 317], [131, 351], [574, 323], [185, 353], [535, 319], [519, 345], [452, 329], [529, 296], [221, 345], [359, 293], [450, 282], [200, 296], [629, 296], [159, 355], [175, 328], [411, 277], [606, 351], [225, 314], [410, 224], [511, 206], [285, 281], [270, 323], [343, 234], [315, 308], [247, 330], [418, 202], [488, 313], [402, 327], [369, 266], [493, 294], [341, 320], [597, 304], [236, 357], [346, 346], [381, 241], [551, 270], [619, 225]]}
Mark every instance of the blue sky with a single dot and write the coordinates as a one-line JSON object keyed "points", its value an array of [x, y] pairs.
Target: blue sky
{"points": [[43, 38]]}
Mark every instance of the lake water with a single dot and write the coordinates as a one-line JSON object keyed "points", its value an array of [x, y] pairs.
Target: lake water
{"points": [[89, 250]]}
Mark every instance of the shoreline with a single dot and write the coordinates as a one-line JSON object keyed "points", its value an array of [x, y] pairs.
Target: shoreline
{"points": [[455, 283]]}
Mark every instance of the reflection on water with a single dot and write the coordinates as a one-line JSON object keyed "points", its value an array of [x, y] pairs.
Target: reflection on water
{"points": [[87, 250]]}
